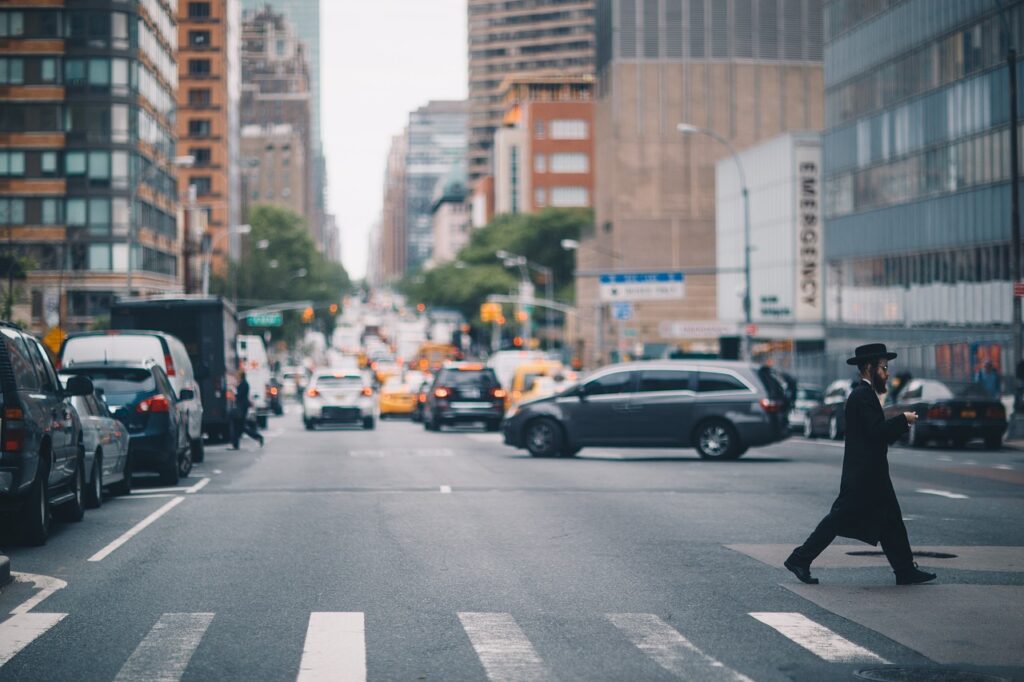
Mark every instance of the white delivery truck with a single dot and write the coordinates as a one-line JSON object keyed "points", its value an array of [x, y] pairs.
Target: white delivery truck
{"points": [[252, 357]]}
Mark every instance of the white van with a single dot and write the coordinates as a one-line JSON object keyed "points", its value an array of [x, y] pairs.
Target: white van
{"points": [[252, 357], [138, 346]]}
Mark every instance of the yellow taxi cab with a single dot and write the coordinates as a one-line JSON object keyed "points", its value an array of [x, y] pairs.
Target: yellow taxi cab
{"points": [[399, 394], [526, 373]]}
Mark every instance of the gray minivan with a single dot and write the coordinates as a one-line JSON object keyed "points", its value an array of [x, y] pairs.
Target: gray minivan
{"points": [[163, 349], [719, 407]]}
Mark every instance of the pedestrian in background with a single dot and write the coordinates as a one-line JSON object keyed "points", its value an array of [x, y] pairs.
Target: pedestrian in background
{"points": [[241, 424], [990, 380], [867, 508]]}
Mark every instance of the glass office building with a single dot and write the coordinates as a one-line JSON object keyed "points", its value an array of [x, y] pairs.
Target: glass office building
{"points": [[917, 169]]}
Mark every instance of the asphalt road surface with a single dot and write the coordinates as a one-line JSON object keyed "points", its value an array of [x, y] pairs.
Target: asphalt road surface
{"points": [[397, 554]]}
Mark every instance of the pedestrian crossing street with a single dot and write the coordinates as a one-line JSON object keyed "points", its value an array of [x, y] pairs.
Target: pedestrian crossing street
{"points": [[335, 645]]}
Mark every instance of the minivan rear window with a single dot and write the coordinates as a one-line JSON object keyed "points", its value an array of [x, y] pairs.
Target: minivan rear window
{"points": [[120, 382], [112, 348], [482, 378]]}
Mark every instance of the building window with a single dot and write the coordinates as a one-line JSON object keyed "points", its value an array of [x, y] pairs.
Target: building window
{"points": [[200, 156], [199, 127], [12, 163], [50, 212], [199, 67], [540, 196], [99, 216], [198, 10], [203, 185], [540, 163], [74, 163], [569, 197], [76, 212], [12, 71], [99, 257], [12, 24], [48, 70], [12, 211], [569, 129], [538, 130], [48, 163], [199, 97], [570, 163], [198, 38]]}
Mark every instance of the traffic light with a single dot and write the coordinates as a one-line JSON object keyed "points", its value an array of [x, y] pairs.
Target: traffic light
{"points": [[334, 309], [490, 312], [420, 307], [522, 316], [307, 315]]}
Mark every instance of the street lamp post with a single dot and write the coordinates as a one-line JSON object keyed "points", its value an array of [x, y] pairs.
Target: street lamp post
{"points": [[514, 260], [574, 245], [146, 177], [688, 129]]}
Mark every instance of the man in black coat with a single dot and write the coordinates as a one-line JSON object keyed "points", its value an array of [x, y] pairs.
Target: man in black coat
{"points": [[867, 508], [240, 422]]}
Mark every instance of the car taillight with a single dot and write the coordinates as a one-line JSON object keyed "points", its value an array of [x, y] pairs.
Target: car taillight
{"points": [[441, 392], [157, 403], [313, 393], [170, 365], [272, 390], [996, 412], [14, 429], [367, 390], [772, 406], [940, 412], [498, 393], [423, 397]]}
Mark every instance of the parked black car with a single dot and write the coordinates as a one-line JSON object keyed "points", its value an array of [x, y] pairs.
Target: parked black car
{"points": [[829, 418], [464, 392], [720, 407], [141, 398], [954, 417], [42, 456]]}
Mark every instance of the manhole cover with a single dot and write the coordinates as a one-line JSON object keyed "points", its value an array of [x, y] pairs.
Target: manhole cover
{"points": [[891, 673], [930, 555]]}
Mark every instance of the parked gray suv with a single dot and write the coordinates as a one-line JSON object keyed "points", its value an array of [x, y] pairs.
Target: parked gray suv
{"points": [[41, 448], [719, 407]]}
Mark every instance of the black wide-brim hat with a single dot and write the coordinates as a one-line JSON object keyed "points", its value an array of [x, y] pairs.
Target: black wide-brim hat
{"points": [[870, 351]]}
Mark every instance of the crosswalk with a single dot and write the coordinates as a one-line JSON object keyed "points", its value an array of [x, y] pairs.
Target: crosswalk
{"points": [[335, 645]]}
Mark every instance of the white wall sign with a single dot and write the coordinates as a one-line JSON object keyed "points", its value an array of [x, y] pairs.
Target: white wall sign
{"points": [[642, 286], [809, 246], [697, 329]]}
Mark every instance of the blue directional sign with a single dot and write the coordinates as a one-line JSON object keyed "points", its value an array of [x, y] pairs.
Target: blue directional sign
{"points": [[642, 286], [622, 310]]}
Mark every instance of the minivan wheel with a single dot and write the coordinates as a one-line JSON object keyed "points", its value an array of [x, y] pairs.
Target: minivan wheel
{"points": [[34, 516], [717, 440], [808, 428], [74, 510], [543, 437], [94, 491], [185, 463], [833, 428]]}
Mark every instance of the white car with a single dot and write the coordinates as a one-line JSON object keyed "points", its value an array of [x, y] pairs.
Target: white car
{"points": [[339, 397]]}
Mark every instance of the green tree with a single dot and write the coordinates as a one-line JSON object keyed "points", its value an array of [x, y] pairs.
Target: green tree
{"points": [[279, 262]]}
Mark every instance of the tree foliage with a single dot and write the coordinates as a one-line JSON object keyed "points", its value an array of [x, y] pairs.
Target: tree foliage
{"points": [[477, 272], [288, 268]]}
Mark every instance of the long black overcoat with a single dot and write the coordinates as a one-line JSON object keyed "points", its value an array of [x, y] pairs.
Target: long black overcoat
{"points": [[867, 502]]}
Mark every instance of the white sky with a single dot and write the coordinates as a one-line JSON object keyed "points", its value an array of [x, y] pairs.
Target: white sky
{"points": [[380, 59]]}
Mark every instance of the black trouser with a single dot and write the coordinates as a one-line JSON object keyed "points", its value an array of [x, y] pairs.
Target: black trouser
{"points": [[240, 424], [893, 538]]}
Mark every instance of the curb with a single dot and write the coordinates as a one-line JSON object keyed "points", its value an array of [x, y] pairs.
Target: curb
{"points": [[5, 570]]}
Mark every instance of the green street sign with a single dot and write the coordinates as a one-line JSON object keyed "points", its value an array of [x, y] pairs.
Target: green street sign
{"points": [[265, 320]]}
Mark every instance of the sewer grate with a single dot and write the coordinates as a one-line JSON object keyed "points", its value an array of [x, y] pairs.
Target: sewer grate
{"points": [[930, 555], [891, 673]]}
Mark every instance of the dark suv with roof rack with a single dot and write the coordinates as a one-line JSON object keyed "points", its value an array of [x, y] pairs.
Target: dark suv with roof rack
{"points": [[464, 392], [41, 449]]}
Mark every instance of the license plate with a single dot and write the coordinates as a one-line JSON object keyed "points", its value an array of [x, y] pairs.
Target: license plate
{"points": [[470, 393], [968, 414], [470, 406]]}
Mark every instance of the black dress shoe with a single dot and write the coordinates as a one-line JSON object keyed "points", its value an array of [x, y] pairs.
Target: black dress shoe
{"points": [[913, 576], [803, 573]]}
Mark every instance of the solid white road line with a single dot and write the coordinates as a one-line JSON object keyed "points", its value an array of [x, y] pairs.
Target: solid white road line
{"points": [[817, 639], [1003, 467], [503, 648], [136, 496], [335, 648], [164, 653], [671, 650], [17, 632], [198, 486], [446, 489], [942, 493], [138, 528]]}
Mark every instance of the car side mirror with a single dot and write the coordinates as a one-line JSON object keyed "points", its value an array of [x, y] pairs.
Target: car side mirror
{"points": [[582, 391], [186, 394], [79, 385]]}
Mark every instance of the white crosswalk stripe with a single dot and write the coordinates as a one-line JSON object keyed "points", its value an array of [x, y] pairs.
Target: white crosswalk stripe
{"points": [[20, 630], [671, 650], [503, 648], [164, 653], [817, 638], [335, 648]]}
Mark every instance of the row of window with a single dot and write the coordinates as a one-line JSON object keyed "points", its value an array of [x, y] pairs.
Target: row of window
{"points": [[986, 263], [964, 108], [663, 380], [980, 160], [561, 162], [562, 129], [968, 51], [84, 256], [102, 216], [28, 70], [85, 122], [562, 197]]}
